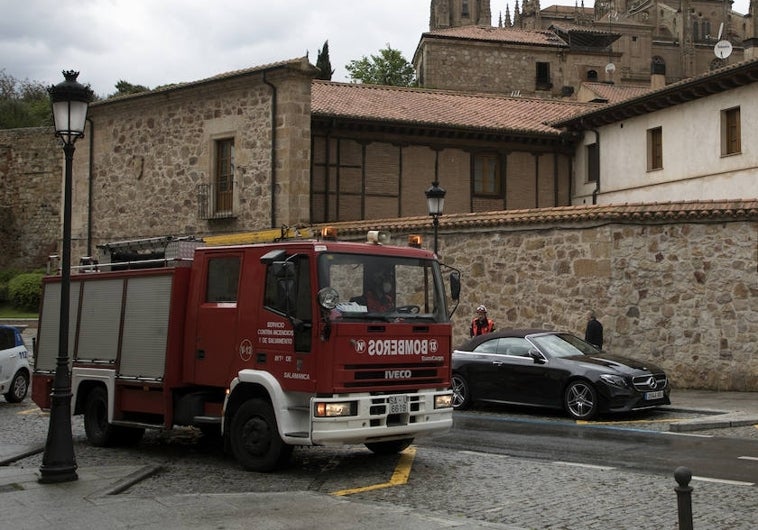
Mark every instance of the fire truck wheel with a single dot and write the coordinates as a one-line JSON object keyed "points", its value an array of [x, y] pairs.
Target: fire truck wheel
{"points": [[255, 439], [99, 432], [18, 388], [389, 448]]}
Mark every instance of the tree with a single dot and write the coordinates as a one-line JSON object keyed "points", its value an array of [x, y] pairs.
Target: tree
{"points": [[387, 68], [124, 88], [324, 64], [23, 103]]}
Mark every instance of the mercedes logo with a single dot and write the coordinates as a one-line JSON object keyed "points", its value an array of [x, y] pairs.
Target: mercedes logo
{"points": [[652, 383]]}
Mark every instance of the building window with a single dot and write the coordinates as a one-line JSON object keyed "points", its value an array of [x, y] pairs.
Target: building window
{"points": [[731, 142], [591, 75], [224, 177], [543, 77], [464, 9], [593, 163], [654, 149], [487, 174], [657, 66]]}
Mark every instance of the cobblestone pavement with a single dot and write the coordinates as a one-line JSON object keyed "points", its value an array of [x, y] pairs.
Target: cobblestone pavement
{"points": [[516, 492]]}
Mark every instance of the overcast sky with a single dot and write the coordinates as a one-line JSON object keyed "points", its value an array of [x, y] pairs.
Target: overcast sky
{"points": [[157, 42]]}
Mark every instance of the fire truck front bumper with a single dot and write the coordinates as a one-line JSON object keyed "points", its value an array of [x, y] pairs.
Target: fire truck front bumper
{"points": [[361, 418]]}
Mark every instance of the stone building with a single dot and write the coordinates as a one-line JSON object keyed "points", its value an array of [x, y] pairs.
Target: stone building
{"points": [[376, 149], [642, 42], [691, 140], [224, 154]]}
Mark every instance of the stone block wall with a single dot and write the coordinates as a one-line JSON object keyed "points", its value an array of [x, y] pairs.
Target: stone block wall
{"points": [[31, 175], [684, 296]]}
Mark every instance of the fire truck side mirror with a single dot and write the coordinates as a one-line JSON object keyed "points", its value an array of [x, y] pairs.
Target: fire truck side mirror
{"points": [[284, 270], [455, 285]]}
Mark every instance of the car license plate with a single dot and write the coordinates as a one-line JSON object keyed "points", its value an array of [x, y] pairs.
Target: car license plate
{"points": [[654, 395], [397, 404]]}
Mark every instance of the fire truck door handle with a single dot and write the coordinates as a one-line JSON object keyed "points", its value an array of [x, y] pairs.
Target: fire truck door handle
{"points": [[201, 354]]}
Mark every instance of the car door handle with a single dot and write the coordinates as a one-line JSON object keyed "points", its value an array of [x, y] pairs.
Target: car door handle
{"points": [[498, 363]]}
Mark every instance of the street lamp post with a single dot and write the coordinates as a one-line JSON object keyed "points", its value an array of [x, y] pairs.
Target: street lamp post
{"points": [[435, 200], [70, 102]]}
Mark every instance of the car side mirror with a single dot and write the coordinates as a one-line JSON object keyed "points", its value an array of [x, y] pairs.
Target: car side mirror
{"points": [[536, 356]]}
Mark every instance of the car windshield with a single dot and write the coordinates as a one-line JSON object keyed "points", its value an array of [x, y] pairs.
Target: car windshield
{"points": [[562, 345], [383, 287]]}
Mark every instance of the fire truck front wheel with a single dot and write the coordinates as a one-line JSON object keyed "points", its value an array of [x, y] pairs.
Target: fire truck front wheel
{"points": [[99, 432], [255, 439]]}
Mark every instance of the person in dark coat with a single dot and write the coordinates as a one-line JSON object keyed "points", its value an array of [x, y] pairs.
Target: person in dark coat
{"points": [[594, 331]]}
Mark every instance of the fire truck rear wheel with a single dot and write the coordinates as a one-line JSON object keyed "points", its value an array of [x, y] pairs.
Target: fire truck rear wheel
{"points": [[389, 448], [255, 439], [100, 433]]}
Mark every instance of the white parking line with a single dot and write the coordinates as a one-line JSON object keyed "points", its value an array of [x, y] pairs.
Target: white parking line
{"points": [[480, 453], [747, 458], [687, 434], [588, 466], [724, 481]]}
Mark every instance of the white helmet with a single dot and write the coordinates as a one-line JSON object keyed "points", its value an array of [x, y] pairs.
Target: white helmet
{"points": [[481, 309]]}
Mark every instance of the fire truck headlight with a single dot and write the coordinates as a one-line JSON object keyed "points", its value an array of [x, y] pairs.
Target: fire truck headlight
{"points": [[331, 409], [328, 298], [443, 401]]}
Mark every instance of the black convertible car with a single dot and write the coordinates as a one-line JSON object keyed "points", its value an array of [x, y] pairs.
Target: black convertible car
{"points": [[553, 369]]}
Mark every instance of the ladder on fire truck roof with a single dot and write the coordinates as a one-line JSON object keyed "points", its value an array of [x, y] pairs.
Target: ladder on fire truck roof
{"points": [[263, 236]]}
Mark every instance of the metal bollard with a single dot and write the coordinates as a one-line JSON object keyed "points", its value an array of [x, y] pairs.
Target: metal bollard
{"points": [[684, 497]]}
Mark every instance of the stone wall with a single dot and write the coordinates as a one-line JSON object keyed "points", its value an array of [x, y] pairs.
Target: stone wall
{"points": [[31, 175]]}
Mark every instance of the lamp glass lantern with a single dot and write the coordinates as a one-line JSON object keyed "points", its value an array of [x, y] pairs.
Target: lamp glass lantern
{"points": [[435, 201]]}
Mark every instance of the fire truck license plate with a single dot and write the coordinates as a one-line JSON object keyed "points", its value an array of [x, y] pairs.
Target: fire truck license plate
{"points": [[397, 404]]}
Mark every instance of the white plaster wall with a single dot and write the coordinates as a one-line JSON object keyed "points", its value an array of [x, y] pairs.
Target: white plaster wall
{"points": [[693, 168]]}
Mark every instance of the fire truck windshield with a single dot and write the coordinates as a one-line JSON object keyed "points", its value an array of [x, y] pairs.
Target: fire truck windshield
{"points": [[383, 287]]}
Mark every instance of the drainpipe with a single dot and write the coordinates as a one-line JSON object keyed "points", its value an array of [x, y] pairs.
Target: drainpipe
{"points": [[90, 185], [597, 182], [273, 149]]}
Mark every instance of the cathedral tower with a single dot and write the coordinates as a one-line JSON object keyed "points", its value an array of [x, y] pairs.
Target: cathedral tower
{"points": [[457, 13]]}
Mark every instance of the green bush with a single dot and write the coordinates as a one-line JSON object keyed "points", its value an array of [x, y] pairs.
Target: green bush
{"points": [[6, 275], [25, 291]]}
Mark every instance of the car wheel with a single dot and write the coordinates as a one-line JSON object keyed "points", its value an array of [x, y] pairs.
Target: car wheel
{"points": [[580, 400], [255, 439], [461, 392], [19, 387], [389, 448]]}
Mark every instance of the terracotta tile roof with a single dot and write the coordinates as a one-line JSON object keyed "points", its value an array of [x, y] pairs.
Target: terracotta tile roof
{"points": [[637, 213], [439, 108], [567, 27], [616, 93], [540, 37], [299, 63]]}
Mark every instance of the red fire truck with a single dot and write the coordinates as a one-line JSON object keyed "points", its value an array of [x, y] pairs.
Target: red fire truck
{"points": [[297, 342]]}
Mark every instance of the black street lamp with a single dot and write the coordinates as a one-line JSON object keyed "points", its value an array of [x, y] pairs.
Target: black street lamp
{"points": [[70, 101], [435, 200]]}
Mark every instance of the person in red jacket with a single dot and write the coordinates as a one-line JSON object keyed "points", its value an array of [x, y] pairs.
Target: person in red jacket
{"points": [[481, 324]]}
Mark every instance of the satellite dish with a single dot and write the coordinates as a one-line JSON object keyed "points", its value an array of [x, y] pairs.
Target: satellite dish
{"points": [[723, 49], [610, 68]]}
